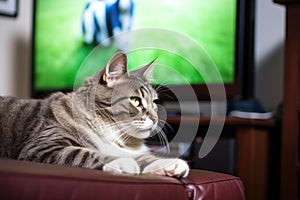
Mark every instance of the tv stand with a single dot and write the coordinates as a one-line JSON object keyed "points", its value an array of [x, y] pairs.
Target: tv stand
{"points": [[195, 108], [252, 149]]}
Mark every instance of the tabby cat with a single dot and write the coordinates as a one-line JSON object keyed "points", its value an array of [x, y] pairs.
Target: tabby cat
{"points": [[101, 125]]}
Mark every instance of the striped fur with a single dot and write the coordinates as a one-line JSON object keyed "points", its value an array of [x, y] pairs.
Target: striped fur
{"points": [[101, 125]]}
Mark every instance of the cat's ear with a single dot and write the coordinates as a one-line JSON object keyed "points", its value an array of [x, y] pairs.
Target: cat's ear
{"points": [[115, 68], [145, 70]]}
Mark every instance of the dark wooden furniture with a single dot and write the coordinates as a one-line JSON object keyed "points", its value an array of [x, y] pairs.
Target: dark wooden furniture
{"points": [[290, 166], [252, 144]]}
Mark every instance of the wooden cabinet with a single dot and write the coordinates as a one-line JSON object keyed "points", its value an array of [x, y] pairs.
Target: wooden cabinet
{"points": [[252, 150], [290, 167]]}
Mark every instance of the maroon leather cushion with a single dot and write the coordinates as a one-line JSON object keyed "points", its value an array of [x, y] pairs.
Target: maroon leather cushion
{"points": [[25, 180], [213, 185]]}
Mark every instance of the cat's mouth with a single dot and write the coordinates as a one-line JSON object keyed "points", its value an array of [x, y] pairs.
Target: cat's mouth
{"points": [[143, 134], [142, 129], [147, 126]]}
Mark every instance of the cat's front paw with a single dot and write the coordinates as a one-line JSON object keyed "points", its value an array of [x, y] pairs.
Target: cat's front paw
{"points": [[122, 165], [168, 167]]}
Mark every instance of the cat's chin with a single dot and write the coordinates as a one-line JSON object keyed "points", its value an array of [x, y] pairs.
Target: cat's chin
{"points": [[141, 134]]}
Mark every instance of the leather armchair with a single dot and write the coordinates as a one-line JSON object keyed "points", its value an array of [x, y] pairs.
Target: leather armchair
{"points": [[26, 180]]}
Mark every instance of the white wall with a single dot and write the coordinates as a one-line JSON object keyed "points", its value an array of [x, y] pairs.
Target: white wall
{"points": [[269, 52], [15, 48]]}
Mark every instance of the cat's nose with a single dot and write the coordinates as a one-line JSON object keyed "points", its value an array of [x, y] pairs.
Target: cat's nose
{"points": [[153, 117]]}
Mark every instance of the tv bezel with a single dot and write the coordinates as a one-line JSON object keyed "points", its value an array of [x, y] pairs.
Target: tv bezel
{"points": [[243, 84]]}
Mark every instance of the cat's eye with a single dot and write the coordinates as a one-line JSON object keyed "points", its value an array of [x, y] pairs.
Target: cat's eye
{"points": [[136, 101]]}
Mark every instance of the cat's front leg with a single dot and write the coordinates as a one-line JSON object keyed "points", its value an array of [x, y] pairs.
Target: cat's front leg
{"points": [[52, 152], [168, 167], [122, 165], [164, 166]]}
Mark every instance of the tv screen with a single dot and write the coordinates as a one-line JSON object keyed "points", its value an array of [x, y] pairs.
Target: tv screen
{"points": [[67, 32]]}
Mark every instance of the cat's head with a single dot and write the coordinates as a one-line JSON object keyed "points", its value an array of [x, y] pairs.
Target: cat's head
{"points": [[125, 99]]}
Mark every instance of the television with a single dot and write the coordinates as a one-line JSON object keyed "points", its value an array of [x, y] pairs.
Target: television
{"points": [[221, 30]]}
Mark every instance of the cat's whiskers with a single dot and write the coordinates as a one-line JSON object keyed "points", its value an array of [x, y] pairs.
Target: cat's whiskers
{"points": [[159, 88], [163, 83], [162, 88], [121, 128], [123, 138], [115, 125], [162, 136], [166, 123], [152, 80], [119, 131]]}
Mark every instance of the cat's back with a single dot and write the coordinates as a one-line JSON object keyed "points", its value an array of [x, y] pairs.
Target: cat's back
{"points": [[19, 119], [12, 109], [16, 117], [15, 113]]}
